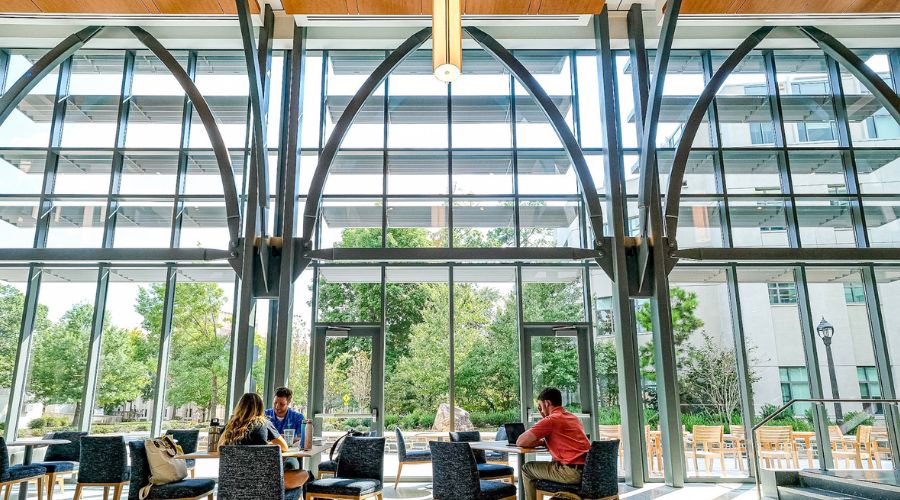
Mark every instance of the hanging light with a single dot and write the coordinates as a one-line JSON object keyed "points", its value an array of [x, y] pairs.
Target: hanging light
{"points": [[447, 39]]}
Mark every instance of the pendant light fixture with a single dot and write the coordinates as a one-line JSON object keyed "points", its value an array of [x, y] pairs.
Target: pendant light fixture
{"points": [[447, 40]]}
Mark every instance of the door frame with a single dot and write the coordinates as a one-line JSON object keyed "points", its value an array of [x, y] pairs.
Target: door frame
{"points": [[320, 334], [581, 331]]}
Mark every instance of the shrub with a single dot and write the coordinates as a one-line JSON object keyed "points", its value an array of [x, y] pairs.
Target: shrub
{"points": [[610, 415], [492, 420], [38, 423]]}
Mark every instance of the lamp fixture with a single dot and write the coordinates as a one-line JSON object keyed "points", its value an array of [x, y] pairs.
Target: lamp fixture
{"points": [[825, 330], [446, 35]]}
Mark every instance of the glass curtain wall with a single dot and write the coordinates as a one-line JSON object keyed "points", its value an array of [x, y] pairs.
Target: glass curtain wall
{"points": [[794, 153]]}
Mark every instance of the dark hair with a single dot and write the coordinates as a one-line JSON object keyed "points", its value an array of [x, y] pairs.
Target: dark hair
{"points": [[284, 392], [551, 394]]}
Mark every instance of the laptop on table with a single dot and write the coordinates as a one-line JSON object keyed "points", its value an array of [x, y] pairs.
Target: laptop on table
{"points": [[513, 431]]}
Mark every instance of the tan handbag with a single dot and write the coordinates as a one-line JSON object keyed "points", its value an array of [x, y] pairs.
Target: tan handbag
{"points": [[164, 467]]}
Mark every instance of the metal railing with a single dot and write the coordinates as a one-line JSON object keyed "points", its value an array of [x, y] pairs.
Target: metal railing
{"points": [[787, 405]]}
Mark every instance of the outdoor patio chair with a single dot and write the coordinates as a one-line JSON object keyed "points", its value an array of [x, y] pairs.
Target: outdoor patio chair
{"points": [[456, 475], [849, 448], [18, 474], [776, 443], [654, 449], [738, 448], [608, 432], [103, 464], [187, 439], [485, 470], [360, 472], [253, 472], [708, 442], [61, 460], [877, 436], [599, 480], [408, 457]]}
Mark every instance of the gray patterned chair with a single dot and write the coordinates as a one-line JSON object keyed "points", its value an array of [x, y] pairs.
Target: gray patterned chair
{"points": [[408, 457], [61, 460], [187, 439], [17, 474], [456, 475], [103, 462], [186, 489], [360, 472], [600, 479], [255, 472], [485, 470], [329, 467], [498, 457]]}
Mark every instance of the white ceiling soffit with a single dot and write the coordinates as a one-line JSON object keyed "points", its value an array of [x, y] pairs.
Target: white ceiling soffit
{"points": [[364, 21]]}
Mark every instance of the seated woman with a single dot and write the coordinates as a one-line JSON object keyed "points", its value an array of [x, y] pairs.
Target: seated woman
{"points": [[250, 426]]}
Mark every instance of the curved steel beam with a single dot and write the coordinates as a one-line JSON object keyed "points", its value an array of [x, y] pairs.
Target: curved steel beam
{"points": [[223, 159], [47, 63], [676, 177], [311, 210], [847, 58], [527, 80]]}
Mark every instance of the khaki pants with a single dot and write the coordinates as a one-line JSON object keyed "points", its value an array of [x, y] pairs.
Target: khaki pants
{"points": [[551, 471]]}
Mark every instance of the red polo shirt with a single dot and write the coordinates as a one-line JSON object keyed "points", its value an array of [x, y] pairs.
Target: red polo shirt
{"points": [[564, 435]]}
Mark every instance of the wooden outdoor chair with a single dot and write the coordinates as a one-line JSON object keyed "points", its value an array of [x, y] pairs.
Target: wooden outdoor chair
{"points": [[854, 448], [877, 436], [708, 442], [608, 432], [776, 443], [738, 447]]}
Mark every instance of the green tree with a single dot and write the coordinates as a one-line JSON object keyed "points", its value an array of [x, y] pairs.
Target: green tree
{"points": [[123, 374], [684, 323], [11, 303], [198, 364]]}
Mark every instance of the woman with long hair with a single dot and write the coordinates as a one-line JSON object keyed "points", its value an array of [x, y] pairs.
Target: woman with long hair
{"points": [[250, 426]]}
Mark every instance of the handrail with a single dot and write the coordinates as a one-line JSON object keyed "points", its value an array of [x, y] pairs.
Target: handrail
{"points": [[790, 403], [764, 421]]}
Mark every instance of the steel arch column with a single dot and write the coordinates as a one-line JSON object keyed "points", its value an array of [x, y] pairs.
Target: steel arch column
{"points": [[676, 176], [223, 159], [570, 143], [311, 210], [42, 67]]}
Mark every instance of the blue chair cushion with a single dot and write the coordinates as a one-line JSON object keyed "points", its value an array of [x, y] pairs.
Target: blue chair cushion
{"points": [[487, 471], [552, 487], [23, 471], [328, 466], [53, 467], [339, 486], [187, 488], [418, 456], [493, 490], [294, 494]]}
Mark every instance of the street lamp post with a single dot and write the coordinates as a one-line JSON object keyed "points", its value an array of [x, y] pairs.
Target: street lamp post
{"points": [[826, 331]]}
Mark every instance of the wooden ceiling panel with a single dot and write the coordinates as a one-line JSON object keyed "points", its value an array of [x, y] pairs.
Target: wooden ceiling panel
{"points": [[501, 7], [93, 6], [193, 7], [317, 6], [550, 7], [389, 7], [18, 6], [228, 7], [788, 6]]}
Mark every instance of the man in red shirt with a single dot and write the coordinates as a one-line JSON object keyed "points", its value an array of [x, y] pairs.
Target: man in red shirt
{"points": [[564, 437]]}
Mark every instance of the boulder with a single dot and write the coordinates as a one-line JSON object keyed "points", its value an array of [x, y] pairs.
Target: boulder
{"points": [[442, 419]]}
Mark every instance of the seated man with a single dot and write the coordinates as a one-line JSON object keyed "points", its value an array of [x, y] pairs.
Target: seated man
{"points": [[565, 439], [284, 417]]}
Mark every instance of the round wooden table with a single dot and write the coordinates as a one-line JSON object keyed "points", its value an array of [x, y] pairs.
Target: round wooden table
{"points": [[30, 445]]}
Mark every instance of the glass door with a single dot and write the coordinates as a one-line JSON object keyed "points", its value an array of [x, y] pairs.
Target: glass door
{"points": [[559, 355], [346, 380]]}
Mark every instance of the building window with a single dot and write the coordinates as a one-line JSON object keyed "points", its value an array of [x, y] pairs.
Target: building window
{"points": [[795, 385], [782, 293], [869, 388], [854, 293]]}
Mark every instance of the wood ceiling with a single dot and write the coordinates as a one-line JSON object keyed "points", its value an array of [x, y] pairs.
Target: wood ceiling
{"points": [[122, 6], [789, 6], [423, 7]]}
